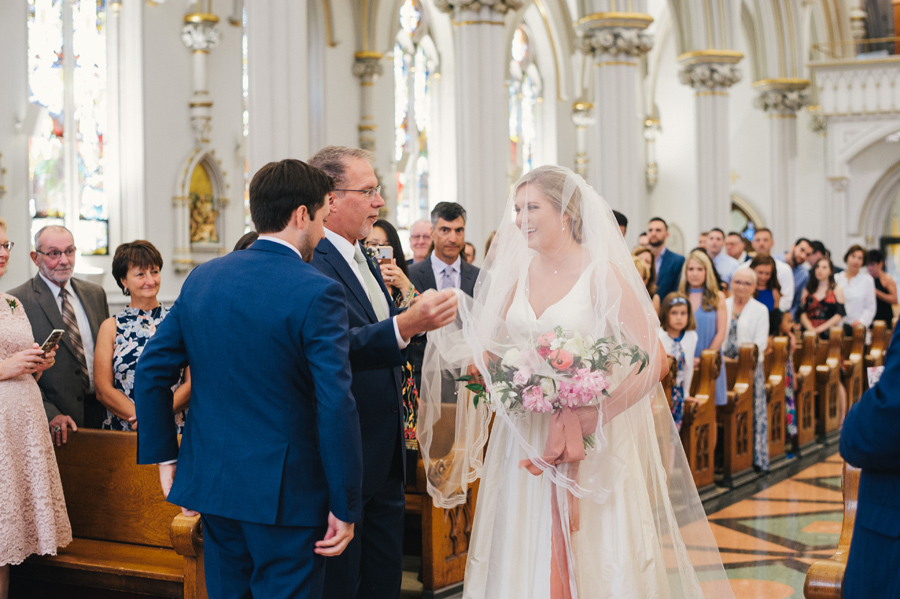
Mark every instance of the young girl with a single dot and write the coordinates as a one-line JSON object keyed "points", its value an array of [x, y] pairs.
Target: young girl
{"points": [[679, 338]]}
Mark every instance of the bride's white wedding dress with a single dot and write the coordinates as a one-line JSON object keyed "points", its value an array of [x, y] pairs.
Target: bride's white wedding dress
{"points": [[617, 551]]}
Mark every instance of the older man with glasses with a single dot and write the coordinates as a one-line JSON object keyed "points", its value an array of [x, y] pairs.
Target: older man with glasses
{"points": [[53, 299], [420, 236]]}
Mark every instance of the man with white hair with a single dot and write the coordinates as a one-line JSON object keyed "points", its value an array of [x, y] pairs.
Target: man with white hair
{"points": [[420, 239]]}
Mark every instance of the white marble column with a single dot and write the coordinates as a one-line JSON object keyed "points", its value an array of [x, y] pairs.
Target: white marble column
{"points": [[780, 99], [583, 117], [711, 73], [836, 221], [616, 41], [482, 111], [367, 66]]}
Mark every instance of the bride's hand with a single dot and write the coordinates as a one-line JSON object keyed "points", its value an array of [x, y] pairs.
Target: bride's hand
{"points": [[473, 371]]}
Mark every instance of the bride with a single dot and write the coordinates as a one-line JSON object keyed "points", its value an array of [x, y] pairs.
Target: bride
{"points": [[585, 490]]}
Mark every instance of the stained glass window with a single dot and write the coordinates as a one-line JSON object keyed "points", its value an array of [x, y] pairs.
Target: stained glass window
{"points": [[524, 104], [415, 71], [67, 86]]}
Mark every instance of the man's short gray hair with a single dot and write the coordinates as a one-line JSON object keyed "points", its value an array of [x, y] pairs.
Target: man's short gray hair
{"points": [[40, 232], [331, 161], [449, 211]]}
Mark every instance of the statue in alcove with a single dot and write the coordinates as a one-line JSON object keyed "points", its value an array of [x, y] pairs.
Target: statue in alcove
{"points": [[204, 212]]}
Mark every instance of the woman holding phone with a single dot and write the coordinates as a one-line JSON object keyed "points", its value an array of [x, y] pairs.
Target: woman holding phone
{"points": [[32, 506], [394, 270]]}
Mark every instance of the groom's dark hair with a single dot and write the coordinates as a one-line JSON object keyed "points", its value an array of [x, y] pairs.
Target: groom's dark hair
{"points": [[279, 188], [449, 211]]}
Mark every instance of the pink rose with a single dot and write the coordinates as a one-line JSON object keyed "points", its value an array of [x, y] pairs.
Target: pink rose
{"points": [[561, 359], [596, 383], [534, 400], [569, 394], [522, 376], [543, 352], [546, 339]]}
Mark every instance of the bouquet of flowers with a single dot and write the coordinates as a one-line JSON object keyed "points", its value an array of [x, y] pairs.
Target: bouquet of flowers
{"points": [[577, 375]]}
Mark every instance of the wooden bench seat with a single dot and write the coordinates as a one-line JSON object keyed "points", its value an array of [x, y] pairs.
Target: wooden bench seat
{"points": [[852, 373], [735, 418], [127, 537], [774, 371], [828, 380], [698, 428], [805, 391]]}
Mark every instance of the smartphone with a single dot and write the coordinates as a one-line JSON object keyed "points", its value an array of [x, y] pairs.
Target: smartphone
{"points": [[385, 254], [53, 339]]}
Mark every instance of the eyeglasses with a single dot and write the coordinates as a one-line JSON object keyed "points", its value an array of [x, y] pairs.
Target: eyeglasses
{"points": [[366, 192], [420, 236], [55, 254], [8, 246], [374, 244]]}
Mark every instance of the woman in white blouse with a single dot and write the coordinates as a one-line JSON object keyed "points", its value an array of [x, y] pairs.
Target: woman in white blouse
{"points": [[748, 322], [859, 289]]}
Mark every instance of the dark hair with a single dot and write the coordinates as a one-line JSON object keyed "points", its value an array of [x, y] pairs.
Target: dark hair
{"points": [[140, 253], [621, 219], [801, 240], [813, 284], [670, 301], [394, 241], [716, 230], [279, 188], [875, 257], [856, 248], [246, 241], [735, 233], [764, 260], [658, 219], [642, 233], [818, 246], [449, 211], [332, 161], [763, 230]]}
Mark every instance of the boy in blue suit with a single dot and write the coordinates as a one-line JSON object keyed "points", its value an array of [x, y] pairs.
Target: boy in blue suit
{"points": [[271, 454], [870, 440]]}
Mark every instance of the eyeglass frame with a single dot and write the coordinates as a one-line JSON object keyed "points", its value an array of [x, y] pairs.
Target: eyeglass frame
{"points": [[366, 192], [68, 252], [375, 244], [8, 246]]}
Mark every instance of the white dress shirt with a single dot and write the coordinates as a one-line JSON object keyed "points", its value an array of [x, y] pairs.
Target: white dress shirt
{"points": [[438, 266], [753, 324], [785, 275], [725, 266], [859, 297], [347, 250], [84, 325]]}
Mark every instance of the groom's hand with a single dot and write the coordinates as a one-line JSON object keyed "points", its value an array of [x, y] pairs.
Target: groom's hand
{"points": [[337, 537], [430, 312], [166, 479]]}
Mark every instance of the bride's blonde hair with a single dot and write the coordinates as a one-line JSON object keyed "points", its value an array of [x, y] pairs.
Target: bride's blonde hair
{"points": [[557, 187]]}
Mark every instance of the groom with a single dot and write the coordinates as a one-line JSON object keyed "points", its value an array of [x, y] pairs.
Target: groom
{"points": [[372, 566], [271, 454]]}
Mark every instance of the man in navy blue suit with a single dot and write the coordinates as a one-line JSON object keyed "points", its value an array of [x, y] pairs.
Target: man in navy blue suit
{"points": [[372, 566], [271, 454], [870, 440], [668, 264]]}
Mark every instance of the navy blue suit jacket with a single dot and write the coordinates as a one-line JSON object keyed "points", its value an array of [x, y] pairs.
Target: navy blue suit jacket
{"points": [[870, 440], [376, 361], [272, 433], [669, 273]]}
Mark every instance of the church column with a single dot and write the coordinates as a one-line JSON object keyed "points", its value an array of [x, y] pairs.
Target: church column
{"points": [[711, 73], [583, 117], [616, 41], [482, 107], [367, 66], [780, 99], [836, 219]]}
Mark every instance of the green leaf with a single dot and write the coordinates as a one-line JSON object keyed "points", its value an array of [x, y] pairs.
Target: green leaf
{"points": [[476, 388], [466, 378]]}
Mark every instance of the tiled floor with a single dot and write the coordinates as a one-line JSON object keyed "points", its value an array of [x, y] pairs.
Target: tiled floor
{"points": [[767, 540]]}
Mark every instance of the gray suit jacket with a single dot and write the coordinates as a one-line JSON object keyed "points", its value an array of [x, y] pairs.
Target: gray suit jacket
{"points": [[61, 385]]}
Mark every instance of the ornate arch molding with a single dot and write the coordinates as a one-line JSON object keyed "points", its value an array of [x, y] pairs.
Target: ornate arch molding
{"points": [[704, 25], [749, 208], [855, 146], [777, 37], [199, 203], [553, 39], [879, 202]]}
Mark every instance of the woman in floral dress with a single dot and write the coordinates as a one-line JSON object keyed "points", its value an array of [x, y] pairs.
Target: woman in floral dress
{"points": [[121, 339]]}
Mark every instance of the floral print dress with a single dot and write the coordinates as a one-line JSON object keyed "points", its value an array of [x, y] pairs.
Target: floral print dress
{"points": [[134, 327]]}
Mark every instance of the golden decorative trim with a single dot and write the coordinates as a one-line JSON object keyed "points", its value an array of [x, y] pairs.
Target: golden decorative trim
{"points": [[843, 62], [637, 20], [615, 63], [781, 84], [711, 93], [367, 127], [582, 106], [329, 34], [477, 22], [722, 56], [540, 7], [377, 55], [367, 83], [201, 17], [201, 51], [201, 104], [365, 23]]}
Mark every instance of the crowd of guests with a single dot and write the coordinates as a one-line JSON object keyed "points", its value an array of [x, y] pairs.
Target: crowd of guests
{"points": [[729, 291]]}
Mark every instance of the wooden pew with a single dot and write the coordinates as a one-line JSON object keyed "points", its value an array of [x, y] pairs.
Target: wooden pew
{"points": [[699, 424], [875, 352], [828, 379], [805, 390], [445, 532], [825, 578], [774, 367], [127, 537], [852, 373], [735, 418]]}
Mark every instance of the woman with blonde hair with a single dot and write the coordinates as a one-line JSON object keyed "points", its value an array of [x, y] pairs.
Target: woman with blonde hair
{"points": [[646, 256], [699, 284]]}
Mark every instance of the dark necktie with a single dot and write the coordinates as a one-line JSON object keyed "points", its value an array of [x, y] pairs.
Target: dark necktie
{"points": [[68, 315]]}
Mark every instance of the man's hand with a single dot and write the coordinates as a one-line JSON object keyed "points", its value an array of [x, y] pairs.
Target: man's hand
{"points": [[59, 429], [432, 311], [166, 478], [337, 537]]}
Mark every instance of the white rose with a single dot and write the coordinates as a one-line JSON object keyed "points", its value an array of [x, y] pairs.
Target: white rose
{"points": [[548, 387], [513, 358]]}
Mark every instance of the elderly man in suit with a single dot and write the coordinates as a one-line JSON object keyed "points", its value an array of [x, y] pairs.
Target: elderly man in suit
{"points": [[668, 264], [271, 454], [372, 566], [443, 269], [53, 299], [870, 440]]}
